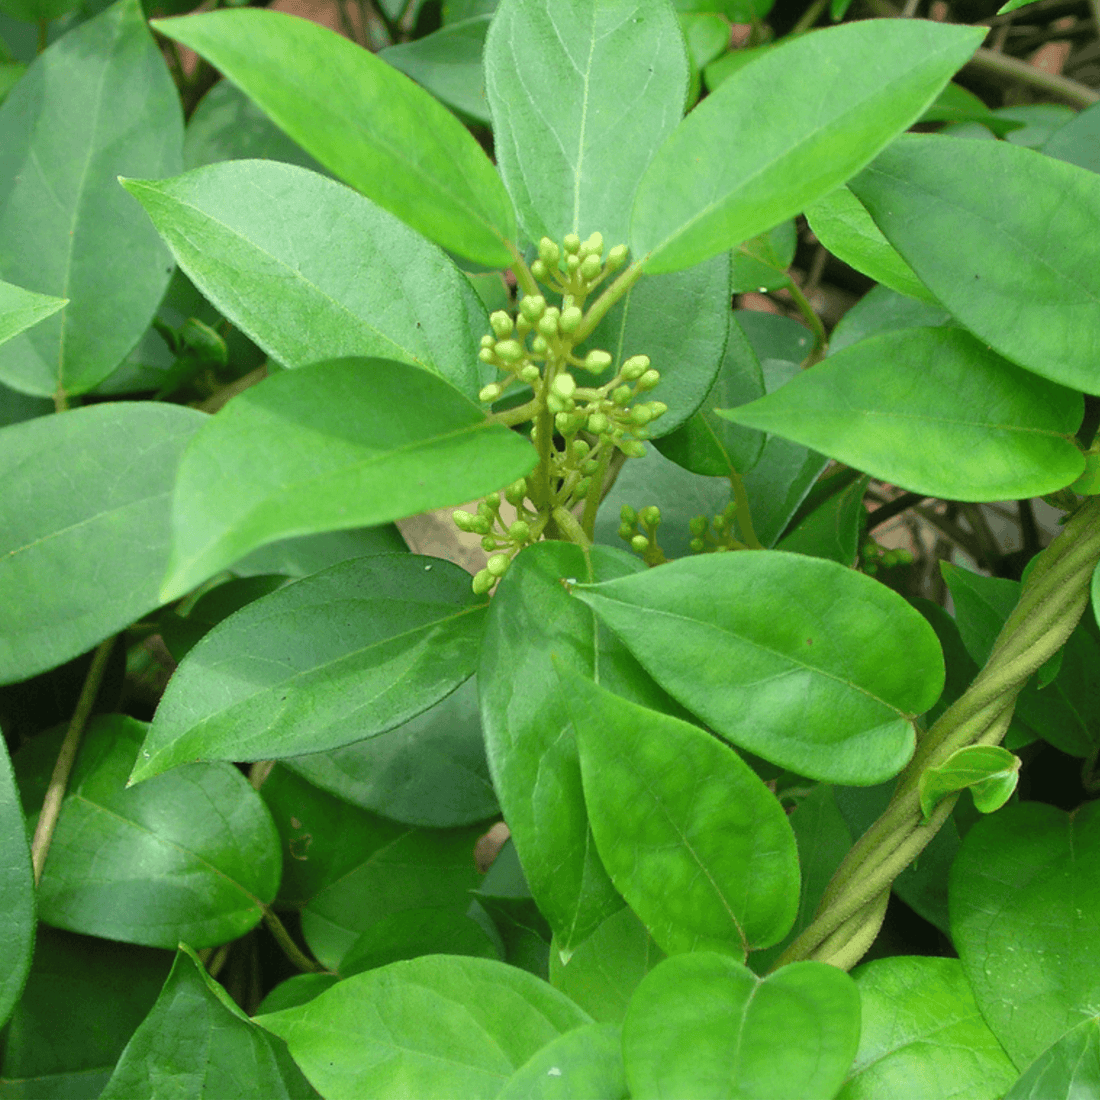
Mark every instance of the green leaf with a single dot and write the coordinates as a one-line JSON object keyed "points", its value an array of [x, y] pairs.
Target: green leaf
{"points": [[367, 1036], [602, 974], [17, 910], [884, 310], [1025, 894], [704, 1026], [109, 987], [448, 63], [988, 771], [190, 855], [1012, 5], [834, 528], [582, 96], [428, 771], [587, 1061], [96, 103], [955, 104], [364, 121], [708, 444], [197, 1042], [1076, 141], [934, 411], [296, 991], [20, 309], [416, 932], [982, 242], [843, 225], [310, 453], [1071, 1067], [922, 1036], [761, 264], [86, 498], [328, 660], [694, 841], [799, 660], [349, 278], [759, 149]]}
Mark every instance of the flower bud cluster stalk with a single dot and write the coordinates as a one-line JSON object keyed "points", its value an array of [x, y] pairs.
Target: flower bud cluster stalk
{"points": [[576, 428], [639, 530], [715, 534]]}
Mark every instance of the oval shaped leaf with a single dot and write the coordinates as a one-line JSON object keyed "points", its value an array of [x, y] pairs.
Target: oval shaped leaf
{"points": [[87, 497], [967, 223], [349, 278], [759, 149], [364, 121], [17, 917], [799, 660], [1025, 918], [192, 855], [341, 444], [1071, 1067], [702, 1025], [691, 837], [585, 1062], [582, 96], [367, 1036], [922, 1036], [96, 103], [934, 411], [325, 661]]}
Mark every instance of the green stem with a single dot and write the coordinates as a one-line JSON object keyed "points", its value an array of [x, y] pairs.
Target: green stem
{"points": [[595, 493], [66, 757], [289, 948], [570, 527], [600, 307], [821, 338], [518, 415], [524, 279], [744, 511], [809, 17]]}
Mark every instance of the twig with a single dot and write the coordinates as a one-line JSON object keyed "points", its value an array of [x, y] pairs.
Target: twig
{"points": [[987, 61], [893, 508]]}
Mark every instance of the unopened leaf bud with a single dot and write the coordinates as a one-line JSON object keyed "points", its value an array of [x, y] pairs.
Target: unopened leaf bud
{"points": [[628, 515], [616, 257], [698, 525], [511, 351], [548, 322], [594, 244], [464, 521], [564, 385], [598, 423], [648, 380], [632, 448], [596, 361], [490, 392], [540, 271], [519, 531], [591, 267], [483, 581], [487, 341], [501, 324], [570, 319], [639, 544], [651, 516], [548, 251], [498, 564], [634, 367], [621, 395], [572, 243], [488, 544], [533, 306], [626, 532], [530, 373]]}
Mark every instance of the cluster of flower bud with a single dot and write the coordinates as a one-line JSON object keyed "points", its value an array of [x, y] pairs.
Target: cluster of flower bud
{"points": [[710, 534], [639, 530], [577, 266], [501, 540], [874, 557]]}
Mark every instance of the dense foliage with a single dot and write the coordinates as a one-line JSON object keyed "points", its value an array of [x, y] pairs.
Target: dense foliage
{"points": [[778, 825]]}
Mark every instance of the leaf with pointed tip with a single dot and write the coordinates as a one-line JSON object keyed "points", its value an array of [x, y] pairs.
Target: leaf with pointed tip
{"points": [[338, 444], [990, 772], [20, 309], [759, 149], [363, 120]]}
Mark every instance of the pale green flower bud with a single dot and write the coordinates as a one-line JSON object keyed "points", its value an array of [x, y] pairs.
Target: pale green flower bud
{"points": [[548, 322], [626, 532], [639, 544], [590, 466], [572, 243], [571, 318], [533, 307], [628, 515], [485, 511], [634, 367], [530, 373], [583, 486], [487, 341], [572, 263], [539, 346], [489, 393], [523, 326], [488, 544], [631, 448], [598, 423], [540, 271], [651, 516], [580, 449], [591, 267], [498, 564], [486, 355], [511, 351], [649, 380], [501, 324], [548, 251], [641, 415], [657, 408], [493, 501], [616, 257], [697, 546], [621, 395], [483, 581], [555, 404], [464, 521], [564, 385], [596, 361], [594, 244], [519, 531], [697, 525], [516, 492], [721, 524], [568, 423]]}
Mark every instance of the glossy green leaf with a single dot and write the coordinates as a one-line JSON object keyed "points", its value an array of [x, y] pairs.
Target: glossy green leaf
{"points": [[364, 121], [310, 453], [197, 1042], [448, 63], [299, 557], [296, 991], [15, 407], [428, 771], [681, 322], [413, 933], [367, 1036], [1071, 1067], [1025, 919], [582, 96], [808, 664], [1076, 141], [706, 443], [759, 150], [760, 264], [841, 223], [97, 103], [587, 1061], [20, 309], [702, 1025], [694, 841], [192, 855], [109, 987], [956, 104], [884, 310], [86, 497], [775, 337], [934, 411], [325, 661], [834, 528], [982, 242], [349, 278], [988, 771], [602, 974], [17, 910], [922, 1036]]}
